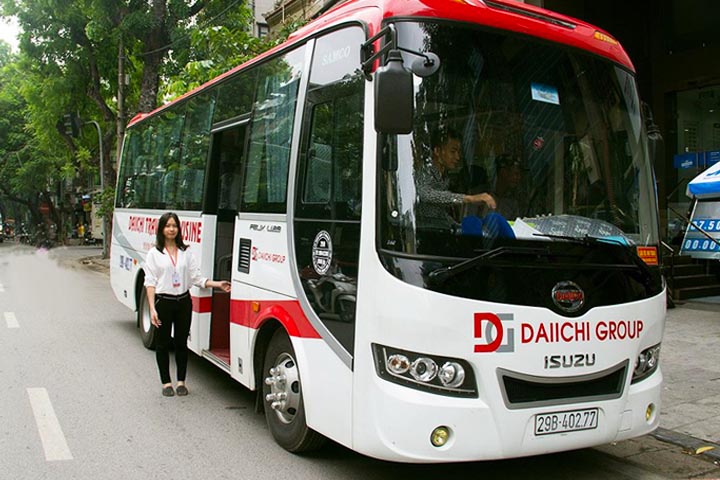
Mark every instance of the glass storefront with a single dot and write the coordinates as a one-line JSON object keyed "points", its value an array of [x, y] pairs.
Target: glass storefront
{"points": [[698, 147]]}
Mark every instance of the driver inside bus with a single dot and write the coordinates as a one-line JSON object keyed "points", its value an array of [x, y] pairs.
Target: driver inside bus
{"points": [[433, 183], [435, 198]]}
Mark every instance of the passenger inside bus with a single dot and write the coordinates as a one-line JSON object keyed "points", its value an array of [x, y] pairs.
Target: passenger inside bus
{"points": [[510, 189]]}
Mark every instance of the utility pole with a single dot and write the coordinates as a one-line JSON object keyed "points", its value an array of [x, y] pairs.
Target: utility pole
{"points": [[72, 124], [102, 183], [120, 130]]}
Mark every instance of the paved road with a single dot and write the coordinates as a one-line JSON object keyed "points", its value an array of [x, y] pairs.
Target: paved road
{"points": [[81, 400]]}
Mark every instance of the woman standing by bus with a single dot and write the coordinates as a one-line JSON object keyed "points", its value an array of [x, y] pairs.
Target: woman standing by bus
{"points": [[170, 271]]}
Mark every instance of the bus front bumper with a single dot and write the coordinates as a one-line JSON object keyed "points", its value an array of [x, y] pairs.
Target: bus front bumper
{"points": [[396, 423]]}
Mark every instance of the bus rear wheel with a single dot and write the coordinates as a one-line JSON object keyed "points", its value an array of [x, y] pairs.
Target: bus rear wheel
{"points": [[282, 391], [147, 329]]}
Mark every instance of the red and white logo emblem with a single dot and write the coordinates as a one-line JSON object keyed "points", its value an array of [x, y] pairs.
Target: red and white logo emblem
{"points": [[568, 296]]}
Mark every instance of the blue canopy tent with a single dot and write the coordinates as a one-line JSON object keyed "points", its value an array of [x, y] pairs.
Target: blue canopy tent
{"points": [[706, 216], [705, 185]]}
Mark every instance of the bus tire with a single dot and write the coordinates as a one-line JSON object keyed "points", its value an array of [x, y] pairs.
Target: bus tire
{"points": [[147, 329], [282, 393]]}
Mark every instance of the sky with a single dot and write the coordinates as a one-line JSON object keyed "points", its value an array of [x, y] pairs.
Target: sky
{"points": [[9, 31]]}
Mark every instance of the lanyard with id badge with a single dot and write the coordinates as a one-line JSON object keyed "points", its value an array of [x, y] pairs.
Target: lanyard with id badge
{"points": [[175, 275]]}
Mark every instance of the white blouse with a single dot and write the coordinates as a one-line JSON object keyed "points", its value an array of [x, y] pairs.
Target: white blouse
{"points": [[160, 270]]}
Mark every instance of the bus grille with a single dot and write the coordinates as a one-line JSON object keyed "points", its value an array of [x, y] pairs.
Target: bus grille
{"points": [[528, 391]]}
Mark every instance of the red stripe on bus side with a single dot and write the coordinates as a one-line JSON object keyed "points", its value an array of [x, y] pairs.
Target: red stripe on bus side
{"points": [[202, 304], [287, 312]]}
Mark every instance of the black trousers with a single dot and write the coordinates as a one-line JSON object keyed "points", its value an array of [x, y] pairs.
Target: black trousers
{"points": [[175, 312]]}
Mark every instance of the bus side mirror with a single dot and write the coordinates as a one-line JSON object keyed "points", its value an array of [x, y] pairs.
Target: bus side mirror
{"points": [[393, 96]]}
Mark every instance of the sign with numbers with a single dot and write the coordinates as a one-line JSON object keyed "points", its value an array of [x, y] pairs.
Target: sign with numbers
{"points": [[705, 217]]}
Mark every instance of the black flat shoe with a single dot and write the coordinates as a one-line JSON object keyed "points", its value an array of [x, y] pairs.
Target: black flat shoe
{"points": [[182, 390], [168, 392]]}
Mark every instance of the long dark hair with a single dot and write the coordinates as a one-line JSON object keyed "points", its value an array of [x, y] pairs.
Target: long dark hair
{"points": [[160, 237]]}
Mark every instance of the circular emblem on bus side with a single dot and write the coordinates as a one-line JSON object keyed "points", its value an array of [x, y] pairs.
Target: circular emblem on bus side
{"points": [[568, 296], [322, 252]]}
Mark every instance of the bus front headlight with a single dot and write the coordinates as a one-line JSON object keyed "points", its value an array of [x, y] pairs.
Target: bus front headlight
{"points": [[452, 374], [421, 371], [424, 369], [646, 363]]}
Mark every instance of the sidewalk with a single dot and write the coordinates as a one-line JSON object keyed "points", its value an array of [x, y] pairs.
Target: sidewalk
{"points": [[97, 263], [690, 360]]}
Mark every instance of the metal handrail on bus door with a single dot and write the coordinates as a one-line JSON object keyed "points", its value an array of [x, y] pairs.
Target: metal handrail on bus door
{"points": [[670, 279]]}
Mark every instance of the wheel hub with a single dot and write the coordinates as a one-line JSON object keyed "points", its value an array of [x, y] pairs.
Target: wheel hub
{"points": [[284, 383]]}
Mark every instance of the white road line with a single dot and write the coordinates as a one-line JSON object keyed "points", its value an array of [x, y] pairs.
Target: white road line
{"points": [[51, 434], [2, 288], [11, 320]]}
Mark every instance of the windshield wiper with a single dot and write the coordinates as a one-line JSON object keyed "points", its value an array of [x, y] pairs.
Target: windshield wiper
{"points": [[584, 240], [588, 240], [440, 275]]}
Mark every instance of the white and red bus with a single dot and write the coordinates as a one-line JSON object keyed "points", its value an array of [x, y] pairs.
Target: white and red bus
{"points": [[369, 313]]}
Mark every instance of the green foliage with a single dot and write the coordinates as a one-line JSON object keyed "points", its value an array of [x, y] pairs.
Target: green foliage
{"points": [[68, 62], [107, 202], [219, 46]]}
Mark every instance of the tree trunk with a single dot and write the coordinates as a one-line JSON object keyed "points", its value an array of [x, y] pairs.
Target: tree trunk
{"points": [[156, 46]]}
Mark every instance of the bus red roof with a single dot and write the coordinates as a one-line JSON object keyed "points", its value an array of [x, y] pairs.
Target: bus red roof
{"points": [[509, 15]]}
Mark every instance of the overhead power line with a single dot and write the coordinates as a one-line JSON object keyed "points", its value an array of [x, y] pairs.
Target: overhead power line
{"points": [[206, 23]]}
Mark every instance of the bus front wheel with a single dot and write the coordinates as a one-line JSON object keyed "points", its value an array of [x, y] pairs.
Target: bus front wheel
{"points": [[147, 330], [282, 391]]}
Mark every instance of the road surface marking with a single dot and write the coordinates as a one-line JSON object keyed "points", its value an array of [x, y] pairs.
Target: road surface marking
{"points": [[11, 320], [2, 288], [51, 434]]}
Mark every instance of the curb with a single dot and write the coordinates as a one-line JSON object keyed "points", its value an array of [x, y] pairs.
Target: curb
{"points": [[95, 263], [691, 445]]}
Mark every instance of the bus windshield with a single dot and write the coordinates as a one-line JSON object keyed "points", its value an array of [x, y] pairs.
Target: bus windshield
{"points": [[514, 140]]}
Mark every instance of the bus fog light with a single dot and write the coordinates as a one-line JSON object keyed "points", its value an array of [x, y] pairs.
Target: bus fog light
{"points": [[423, 369], [451, 374], [650, 412], [440, 436], [398, 364]]}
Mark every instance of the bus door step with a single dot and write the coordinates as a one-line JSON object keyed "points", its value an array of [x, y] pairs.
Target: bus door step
{"points": [[220, 358]]}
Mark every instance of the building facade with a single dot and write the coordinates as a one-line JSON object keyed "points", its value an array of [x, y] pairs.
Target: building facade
{"points": [[286, 12], [259, 9]]}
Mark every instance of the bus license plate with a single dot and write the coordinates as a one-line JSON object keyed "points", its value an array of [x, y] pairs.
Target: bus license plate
{"points": [[570, 421]]}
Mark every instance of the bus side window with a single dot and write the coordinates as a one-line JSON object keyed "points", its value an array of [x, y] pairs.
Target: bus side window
{"points": [[169, 190], [235, 96], [188, 191], [230, 145], [133, 166], [271, 127], [318, 177], [331, 168]]}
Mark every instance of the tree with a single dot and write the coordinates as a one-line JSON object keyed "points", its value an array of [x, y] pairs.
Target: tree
{"points": [[215, 49], [70, 54]]}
